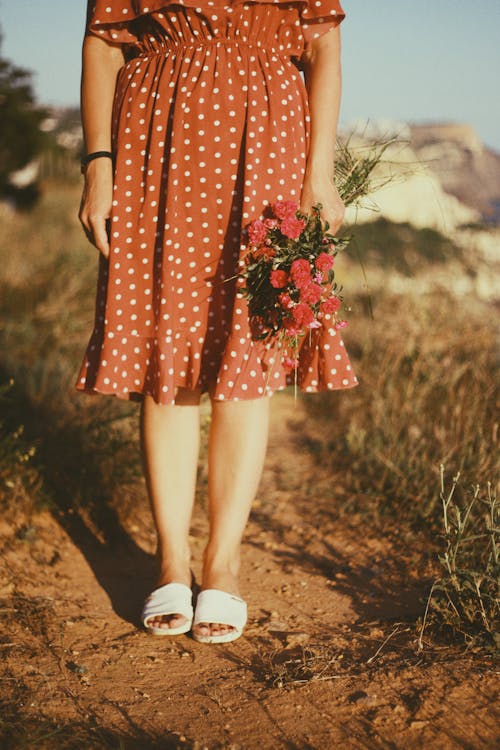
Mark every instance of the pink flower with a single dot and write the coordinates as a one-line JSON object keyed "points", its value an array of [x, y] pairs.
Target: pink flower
{"points": [[290, 363], [340, 324], [330, 305], [291, 327], [278, 279], [285, 300], [311, 293], [257, 231], [302, 314], [292, 227], [285, 209], [324, 262], [271, 223], [314, 324]]}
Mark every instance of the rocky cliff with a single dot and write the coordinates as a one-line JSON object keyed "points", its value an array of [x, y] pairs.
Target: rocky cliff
{"points": [[442, 176], [465, 167]]}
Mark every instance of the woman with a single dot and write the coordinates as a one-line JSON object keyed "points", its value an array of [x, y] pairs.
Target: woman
{"points": [[195, 119]]}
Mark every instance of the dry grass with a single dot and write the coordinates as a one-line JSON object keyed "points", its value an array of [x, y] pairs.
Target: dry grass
{"points": [[464, 602], [426, 397]]}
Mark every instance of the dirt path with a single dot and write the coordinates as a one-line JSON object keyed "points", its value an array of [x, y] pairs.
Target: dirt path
{"points": [[328, 659]]}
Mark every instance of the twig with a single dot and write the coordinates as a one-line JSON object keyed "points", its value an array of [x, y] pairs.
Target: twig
{"points": [[377, 652], [420, 642]]}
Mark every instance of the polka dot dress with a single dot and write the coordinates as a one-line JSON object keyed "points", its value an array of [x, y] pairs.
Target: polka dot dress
{"points": [[210, 126]]}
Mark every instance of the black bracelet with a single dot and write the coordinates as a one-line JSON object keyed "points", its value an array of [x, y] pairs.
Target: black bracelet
{"points": [[96, 155]]}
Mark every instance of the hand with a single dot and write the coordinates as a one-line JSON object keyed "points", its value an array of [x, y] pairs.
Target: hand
{"points": [[97, 198], [322, 189]]}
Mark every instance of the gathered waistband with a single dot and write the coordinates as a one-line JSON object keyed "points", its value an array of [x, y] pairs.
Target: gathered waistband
{"points": [[164, 48]]}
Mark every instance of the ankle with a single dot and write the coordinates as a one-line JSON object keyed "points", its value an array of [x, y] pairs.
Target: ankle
{"points": [[174, 566], [222, 561]]}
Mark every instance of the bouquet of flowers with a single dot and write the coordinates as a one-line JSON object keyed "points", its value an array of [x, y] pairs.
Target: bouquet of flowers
{"points": [[289, 278]]}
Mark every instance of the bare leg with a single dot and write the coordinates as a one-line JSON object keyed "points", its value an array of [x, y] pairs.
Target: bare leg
{"points": [[170, 444], [237, 448]]}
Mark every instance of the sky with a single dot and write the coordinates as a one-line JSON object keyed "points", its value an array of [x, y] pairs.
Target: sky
{"points": [[421, 62]]}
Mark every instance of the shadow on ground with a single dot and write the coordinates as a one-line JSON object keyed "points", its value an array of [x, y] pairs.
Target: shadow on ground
{"points": [[81, 462]]}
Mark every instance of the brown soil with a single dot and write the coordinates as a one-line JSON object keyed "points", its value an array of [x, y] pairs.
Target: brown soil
{"points": [[329, 658]]}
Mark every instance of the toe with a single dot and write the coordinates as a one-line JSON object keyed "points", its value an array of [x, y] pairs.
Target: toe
{"points": [[220, 628], [203, 628], [166, 621], [175, 621]]}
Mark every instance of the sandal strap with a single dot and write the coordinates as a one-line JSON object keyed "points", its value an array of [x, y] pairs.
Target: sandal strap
{"points": [[170, 599], [214, 605]]}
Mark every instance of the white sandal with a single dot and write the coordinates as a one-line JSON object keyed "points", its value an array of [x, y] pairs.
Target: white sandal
{"points": [[213, 605], [170, 599]]}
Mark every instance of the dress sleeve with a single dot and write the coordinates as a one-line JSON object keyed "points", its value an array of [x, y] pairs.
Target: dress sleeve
{"points": [[318, 17], [116, 20]]}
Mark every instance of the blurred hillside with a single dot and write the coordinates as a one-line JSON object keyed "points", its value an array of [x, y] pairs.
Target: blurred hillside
{"points": [[442, 176], [465, 167]]}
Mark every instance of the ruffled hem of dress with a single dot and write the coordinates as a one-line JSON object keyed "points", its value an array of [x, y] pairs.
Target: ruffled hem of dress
{"points": [[152, 369]]}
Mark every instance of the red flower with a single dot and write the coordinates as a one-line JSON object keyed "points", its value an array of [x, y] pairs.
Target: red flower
{"points": [[285, 300], [324, 262], [311, 293], [278, 279], [301, 265], [330, 305], [300, 271], [302, 314], [285, 209], [257, 231], [264, 252], [292, 227]]}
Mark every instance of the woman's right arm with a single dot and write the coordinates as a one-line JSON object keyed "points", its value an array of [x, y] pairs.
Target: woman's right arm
{"points": [[101, 62]]}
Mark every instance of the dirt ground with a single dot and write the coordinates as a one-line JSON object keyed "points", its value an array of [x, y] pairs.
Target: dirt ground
{"points": [[329, 658]]}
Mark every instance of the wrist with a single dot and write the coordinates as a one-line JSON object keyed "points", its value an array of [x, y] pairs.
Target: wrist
{"points": [[97, 157], [319, 172]]}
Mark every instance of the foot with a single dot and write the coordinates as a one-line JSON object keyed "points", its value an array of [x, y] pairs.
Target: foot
{"points": [[172, 575], [224, 580]]}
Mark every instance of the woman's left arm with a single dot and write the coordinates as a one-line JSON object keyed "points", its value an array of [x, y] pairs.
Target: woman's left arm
{"points": [[323, 79]]}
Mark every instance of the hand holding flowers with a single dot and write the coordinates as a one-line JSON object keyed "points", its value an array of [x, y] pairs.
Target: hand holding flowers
{"points": [[321, 188]]}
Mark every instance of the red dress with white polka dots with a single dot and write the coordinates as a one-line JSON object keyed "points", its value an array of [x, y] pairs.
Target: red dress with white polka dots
{"points": [[210, 126]]}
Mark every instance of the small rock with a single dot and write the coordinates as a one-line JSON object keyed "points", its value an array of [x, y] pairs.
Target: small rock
{"points": [[295, 639], [6, 589], [418, 724], [360, 698], [76, 668], [27, 533]]}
